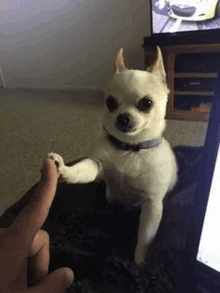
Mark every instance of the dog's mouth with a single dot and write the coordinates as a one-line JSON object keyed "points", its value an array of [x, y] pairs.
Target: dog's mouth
{"points": [[127, 130], [132, 130]]}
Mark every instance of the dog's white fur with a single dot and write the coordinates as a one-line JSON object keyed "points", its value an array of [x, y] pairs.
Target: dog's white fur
{"points": [[143, 177]]}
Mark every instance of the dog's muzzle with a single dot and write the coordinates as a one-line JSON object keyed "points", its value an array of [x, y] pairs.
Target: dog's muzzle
{"points": [[124, 122]]}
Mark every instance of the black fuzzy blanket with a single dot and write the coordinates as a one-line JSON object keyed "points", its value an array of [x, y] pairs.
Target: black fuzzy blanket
{"points": [[97, 240]]}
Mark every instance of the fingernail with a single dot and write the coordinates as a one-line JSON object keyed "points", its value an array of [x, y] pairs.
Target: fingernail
{"points": [[70, 273]]}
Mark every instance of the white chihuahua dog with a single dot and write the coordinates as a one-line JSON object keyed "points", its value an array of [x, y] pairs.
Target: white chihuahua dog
{"points": [[136, 162]]}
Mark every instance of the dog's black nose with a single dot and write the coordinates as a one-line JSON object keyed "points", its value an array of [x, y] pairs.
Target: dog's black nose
{"points": [[124, 121]]}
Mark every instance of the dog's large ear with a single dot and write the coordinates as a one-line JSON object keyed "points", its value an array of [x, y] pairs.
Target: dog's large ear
{"points": [[158, 66], [119, 62]]}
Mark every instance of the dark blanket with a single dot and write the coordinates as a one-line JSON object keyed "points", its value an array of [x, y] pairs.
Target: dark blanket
{"points": [[97, 240]]}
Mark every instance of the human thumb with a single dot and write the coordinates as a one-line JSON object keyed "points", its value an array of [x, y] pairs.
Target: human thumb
{"points": [[57, 282]]}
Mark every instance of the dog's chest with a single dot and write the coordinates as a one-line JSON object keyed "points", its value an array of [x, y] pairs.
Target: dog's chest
{"points": [[136, 175], [126, 173], [124, 176]]}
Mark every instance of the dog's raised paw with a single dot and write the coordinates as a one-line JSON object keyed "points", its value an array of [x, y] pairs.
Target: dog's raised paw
{"points": [[58, 159]]}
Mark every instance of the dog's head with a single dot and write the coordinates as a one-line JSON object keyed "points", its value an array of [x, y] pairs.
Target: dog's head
{"points": [[135, 101]]}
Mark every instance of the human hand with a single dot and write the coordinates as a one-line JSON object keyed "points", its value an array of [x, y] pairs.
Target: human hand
{"points": [[24, 239]]}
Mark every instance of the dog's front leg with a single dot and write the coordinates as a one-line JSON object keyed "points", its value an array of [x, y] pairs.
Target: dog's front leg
{"points": [[85, 171], [151, 214]]}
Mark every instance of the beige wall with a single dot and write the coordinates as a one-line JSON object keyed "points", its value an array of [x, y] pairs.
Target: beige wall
{"points": [[69, 43], [56, 43]]}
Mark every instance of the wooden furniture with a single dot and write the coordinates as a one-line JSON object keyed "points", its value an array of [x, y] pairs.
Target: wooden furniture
{"points": [[192, 77]]}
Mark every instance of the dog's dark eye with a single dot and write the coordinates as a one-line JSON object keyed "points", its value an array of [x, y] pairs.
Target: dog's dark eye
{"points": [[144, 104], [111, 103]]}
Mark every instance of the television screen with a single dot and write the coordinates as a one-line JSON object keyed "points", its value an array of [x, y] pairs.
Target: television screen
{"points": [[172, 16]]}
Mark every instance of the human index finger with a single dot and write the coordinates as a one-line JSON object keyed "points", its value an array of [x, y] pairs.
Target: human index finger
{"points": [[34, 214]]}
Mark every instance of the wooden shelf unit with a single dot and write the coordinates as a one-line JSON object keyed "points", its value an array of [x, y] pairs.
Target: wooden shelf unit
{"points": [[170, 54]]}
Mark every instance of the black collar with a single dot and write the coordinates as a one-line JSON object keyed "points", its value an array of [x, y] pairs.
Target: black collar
{"points": [[133, 147]]}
